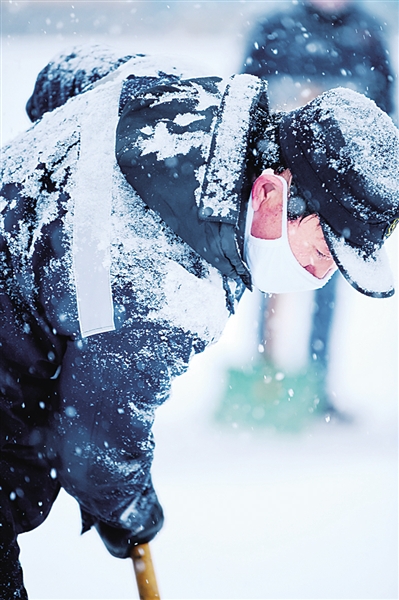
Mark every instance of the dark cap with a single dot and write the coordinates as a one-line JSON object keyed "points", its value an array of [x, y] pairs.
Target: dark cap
{"points": [[343, 153]]}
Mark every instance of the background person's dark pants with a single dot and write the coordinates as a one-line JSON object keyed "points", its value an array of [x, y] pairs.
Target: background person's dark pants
{"points": [[322, 321]]}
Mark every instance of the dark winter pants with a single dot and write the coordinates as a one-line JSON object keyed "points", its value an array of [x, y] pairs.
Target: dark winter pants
{"points": [[28, 486]]}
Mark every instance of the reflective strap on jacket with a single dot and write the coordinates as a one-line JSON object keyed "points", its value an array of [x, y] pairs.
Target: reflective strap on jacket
{"points": [[92, 215]]}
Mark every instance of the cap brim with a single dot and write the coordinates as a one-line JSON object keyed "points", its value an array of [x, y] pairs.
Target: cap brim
{"points": [[369, 274]]}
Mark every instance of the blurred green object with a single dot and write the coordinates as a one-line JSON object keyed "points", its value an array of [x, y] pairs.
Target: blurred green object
{"points": [[264, 396]]}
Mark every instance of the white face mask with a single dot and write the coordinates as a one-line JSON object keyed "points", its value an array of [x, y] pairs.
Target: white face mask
{"points": [[273, 266]]}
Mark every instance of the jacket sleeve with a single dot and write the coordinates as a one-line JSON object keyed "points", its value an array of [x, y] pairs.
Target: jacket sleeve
{"points": [[110, 385]]}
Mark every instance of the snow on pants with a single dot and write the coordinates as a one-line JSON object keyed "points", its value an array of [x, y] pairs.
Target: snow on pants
{"points": [[56, 431]]}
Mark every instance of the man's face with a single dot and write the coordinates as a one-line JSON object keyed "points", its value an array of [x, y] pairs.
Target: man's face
{"points": [[307, 242], [309, 247]]}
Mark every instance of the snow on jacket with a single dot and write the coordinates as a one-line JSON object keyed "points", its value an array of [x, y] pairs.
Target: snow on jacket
{"points": [[168, 301], [39, 179]]}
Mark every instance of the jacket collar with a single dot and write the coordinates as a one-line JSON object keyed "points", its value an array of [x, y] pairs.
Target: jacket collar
{"points": [[225, 176]]}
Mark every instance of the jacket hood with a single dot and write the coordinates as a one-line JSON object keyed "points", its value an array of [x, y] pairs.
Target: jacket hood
{"points": [[69, 74]]}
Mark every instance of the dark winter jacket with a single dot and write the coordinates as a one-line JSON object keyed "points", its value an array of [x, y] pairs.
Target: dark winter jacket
{"points": [[185, 147], [326, 49]]}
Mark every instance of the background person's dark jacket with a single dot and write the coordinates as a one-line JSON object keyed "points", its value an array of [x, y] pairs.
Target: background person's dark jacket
{"points": [[308, 44]]}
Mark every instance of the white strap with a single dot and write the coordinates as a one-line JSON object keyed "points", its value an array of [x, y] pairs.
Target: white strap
{"points": [[93, 203]]}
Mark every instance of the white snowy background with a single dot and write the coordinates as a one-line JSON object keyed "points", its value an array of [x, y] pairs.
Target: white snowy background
{"points": [[312, 515]]}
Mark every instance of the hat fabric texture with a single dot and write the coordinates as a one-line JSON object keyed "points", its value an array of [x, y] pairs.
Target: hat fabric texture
{"points": [[343, 152]]}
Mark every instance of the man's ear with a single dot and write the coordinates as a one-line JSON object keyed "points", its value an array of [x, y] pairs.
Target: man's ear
{"points": [[262, 187]]}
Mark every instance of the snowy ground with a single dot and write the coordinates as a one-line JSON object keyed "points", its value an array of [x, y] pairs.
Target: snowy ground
{"points": [[248, 515]]}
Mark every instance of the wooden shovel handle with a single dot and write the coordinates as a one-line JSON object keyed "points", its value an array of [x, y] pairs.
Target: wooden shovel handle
{"points": [[144, 570]]}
